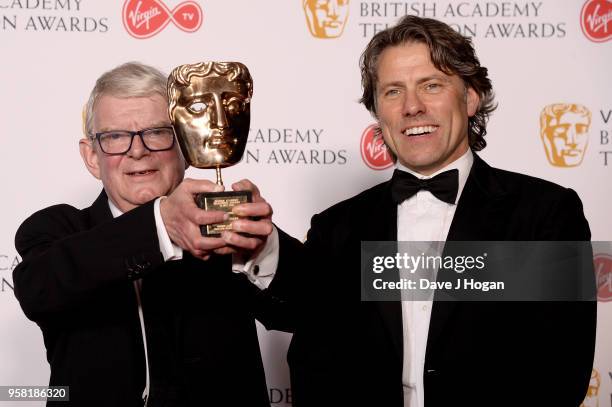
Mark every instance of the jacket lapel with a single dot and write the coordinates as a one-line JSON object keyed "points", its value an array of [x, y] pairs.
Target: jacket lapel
{"points": [[479, 217], [382, 224], [99, 211], [383, 227]]}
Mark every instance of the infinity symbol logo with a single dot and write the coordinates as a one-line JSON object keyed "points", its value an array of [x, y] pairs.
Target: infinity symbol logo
{"points": [[145, 18]]}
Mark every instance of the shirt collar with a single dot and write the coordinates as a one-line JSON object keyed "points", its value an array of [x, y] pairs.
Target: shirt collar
{"points": [[114, 210], [463, 164]]}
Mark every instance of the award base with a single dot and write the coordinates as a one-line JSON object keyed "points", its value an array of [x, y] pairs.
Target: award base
{"points": [[221, 201]]}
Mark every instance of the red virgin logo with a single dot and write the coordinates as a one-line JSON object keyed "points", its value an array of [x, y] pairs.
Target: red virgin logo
{"points": [[145, 18], [374, 152], [603, 276], [596, 20]]}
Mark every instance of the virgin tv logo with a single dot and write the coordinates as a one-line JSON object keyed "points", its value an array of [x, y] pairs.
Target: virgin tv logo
{"points": [[596, 20], [145, 18], [603, 276], [374, 152]]}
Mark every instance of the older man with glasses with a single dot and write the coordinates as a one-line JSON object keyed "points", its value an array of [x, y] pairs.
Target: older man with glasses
{"points": [[135, 306]]}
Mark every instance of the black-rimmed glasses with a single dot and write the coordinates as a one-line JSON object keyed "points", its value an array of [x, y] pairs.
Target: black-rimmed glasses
{"points": [[116, 142]]}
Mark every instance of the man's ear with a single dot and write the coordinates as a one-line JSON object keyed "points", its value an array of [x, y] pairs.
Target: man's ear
{"points": [[473, 101], [90, 156]]}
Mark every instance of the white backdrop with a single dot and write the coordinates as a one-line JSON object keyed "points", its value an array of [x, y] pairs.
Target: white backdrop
{"points": [[51, 51]]}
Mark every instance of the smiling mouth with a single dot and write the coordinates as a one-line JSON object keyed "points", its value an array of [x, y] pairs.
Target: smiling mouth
{"points": [[419, 130], [141, 173]]}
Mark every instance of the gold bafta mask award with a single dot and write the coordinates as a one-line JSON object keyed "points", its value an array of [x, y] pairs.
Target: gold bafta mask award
{"points": [[210, 110]]}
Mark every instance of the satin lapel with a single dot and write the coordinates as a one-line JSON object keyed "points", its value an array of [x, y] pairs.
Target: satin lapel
{"points": [[481, 208], [479, 217], [381, 225]]}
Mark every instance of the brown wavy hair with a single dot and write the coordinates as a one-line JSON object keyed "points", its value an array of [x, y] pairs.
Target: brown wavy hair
{"points": [[450, 52]]}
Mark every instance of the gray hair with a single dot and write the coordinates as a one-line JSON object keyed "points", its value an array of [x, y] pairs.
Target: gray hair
{"points": [[131, 79]]}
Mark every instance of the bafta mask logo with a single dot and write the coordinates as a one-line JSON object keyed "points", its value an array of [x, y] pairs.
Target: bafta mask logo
{"points": [[326, 18], [210, 109], [145, 18], [603, 276], [374, 152], [596, 20], [592, 396], [564, 130]]}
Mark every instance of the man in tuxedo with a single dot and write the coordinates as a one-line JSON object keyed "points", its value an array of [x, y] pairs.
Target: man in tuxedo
{"points": [[134, 304], [431, 97]]}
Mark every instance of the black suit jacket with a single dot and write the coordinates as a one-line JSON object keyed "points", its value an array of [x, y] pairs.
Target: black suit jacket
{"points": [[347, 352], [75, 282]]}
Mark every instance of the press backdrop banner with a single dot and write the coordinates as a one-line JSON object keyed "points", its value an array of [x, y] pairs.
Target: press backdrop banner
{"points": [[550, 63]]}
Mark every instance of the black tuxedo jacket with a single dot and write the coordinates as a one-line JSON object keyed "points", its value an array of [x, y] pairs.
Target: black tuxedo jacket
{"points": [[347, 352], [75, 282]]}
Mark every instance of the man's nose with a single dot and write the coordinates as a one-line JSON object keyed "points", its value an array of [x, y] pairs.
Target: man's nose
{"points": [[219, 119], [413, 105], [138, 149]]}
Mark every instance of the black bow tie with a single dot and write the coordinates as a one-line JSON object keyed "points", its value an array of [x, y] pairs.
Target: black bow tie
{"points": [[443, 186]]}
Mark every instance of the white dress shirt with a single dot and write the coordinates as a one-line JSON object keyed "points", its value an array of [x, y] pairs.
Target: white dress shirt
{"points": [[423, 218]]}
